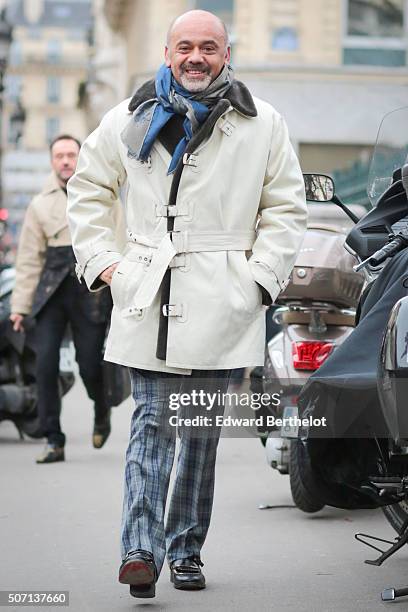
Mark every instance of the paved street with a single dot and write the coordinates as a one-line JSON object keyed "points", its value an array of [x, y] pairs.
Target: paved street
{"points": [[59, 530]]}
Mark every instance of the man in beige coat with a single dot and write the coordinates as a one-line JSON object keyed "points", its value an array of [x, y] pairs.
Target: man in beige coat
{"points": [[47, 289], [215, 210]]}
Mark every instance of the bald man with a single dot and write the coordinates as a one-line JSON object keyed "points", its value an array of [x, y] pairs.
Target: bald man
{"points": [[216, 212]]}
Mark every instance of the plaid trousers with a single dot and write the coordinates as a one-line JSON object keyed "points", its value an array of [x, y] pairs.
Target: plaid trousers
{"points": [[149, 460]]}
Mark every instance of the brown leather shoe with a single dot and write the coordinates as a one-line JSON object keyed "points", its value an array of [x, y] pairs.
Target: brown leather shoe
{"points": [[186, 573], [51, 454], [138, 570]]}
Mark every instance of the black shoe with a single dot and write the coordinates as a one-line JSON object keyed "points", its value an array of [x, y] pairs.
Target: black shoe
{"points": [[51, 454], [101, 431], [138, 570], [186, 573]]}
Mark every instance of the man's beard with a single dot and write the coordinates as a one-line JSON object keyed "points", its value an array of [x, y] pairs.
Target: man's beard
{"points": [[194, 85]]}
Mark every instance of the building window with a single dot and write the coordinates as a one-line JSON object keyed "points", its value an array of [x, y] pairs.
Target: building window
{"points": [[53, 89], [376, 18], [54, 51], [285, 39], [52, 128], [375, 32]]}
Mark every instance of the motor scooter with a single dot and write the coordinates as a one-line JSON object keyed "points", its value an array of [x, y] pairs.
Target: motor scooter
{"points": [[361, 459], [316, 313]]}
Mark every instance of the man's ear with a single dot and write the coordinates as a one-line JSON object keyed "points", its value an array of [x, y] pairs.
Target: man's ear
{"points": [[167, 57], [228, 55]]}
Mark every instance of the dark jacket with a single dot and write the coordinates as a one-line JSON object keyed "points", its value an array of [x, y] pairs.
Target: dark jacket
{"points": [[59, 263]]}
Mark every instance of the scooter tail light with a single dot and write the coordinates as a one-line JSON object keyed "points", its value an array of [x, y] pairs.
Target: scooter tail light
{"points": [[310, 354]]}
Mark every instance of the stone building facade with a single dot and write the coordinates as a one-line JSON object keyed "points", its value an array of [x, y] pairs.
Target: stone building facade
{"points": [[46, 75], [333, 68]]}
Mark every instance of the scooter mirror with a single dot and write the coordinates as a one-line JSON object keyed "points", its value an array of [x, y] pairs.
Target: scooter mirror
{"points": [[319, 187]]}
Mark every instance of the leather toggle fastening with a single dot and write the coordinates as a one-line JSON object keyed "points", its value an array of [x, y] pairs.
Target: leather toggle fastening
{"points": [[173, 310], [166, 211], [227, 127], [179, 210], [179, 261], [190, 160]]}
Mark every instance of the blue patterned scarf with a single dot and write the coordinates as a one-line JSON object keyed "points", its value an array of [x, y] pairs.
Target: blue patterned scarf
{"points": [[149, 118]]}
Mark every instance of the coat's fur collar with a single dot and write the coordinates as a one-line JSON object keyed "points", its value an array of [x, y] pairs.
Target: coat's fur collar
{"points": [[238, 95]]}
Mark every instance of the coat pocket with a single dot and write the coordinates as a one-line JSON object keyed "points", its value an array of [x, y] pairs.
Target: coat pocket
{"points": [[252, 292], [126, 280], [117, 283]]}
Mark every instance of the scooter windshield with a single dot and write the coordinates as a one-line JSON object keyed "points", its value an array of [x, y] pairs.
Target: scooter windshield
{"points": [[390, 153]]}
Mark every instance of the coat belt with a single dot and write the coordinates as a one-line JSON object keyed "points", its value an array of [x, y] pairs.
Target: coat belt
{"points": [[176, 242]]}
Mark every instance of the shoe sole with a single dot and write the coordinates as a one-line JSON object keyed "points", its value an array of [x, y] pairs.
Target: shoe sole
{"points": [[40, 462], [187, 586], [136, 573], [143, 591]]}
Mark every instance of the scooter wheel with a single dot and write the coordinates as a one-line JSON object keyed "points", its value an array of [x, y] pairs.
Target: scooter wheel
{"points": [[396, 515], [300, 476]]}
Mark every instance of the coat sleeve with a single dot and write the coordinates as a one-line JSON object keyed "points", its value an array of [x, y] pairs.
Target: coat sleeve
{"points": [[94, 210], [30, 262], [282, 214]]}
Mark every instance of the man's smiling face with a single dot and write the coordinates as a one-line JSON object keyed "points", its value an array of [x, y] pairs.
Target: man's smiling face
{"points": [[197, 50]]}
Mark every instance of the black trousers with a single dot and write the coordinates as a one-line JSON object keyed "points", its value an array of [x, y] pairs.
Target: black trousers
{"points": [[61, 309]]}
